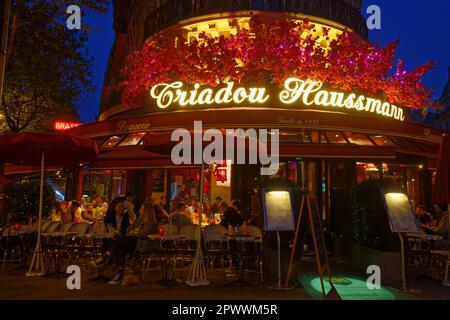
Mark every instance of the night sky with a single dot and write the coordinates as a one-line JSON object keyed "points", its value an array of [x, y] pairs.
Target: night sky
{"points": [[422, 27]]}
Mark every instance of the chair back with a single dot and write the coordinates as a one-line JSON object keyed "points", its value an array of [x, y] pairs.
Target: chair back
{"points": [[45, 225], [97, 227], [215, 233], [80, 228], [66, 227], [255, 232], [191, 232], [169, 229], [53, 227], [214, 237], [9, 231]]}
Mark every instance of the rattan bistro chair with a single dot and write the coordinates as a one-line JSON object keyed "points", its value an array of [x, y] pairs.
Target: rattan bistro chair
{"points": [[216, 244], [74, 243], [186, 246]]}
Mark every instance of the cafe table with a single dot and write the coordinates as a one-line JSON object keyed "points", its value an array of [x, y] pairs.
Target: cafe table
{"points": [[166, 250], [240, 240]]}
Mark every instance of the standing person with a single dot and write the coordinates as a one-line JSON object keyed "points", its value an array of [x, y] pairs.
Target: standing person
{"points": [[129, 205], [216, 204], [162, 211]]}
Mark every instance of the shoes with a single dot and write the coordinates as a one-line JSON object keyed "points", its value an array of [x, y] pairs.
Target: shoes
{"points": [[100, 262], [117, 279]]}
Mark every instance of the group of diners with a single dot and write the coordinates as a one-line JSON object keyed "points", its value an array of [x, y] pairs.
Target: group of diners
{"points": [[131, 225], [72, 211]]}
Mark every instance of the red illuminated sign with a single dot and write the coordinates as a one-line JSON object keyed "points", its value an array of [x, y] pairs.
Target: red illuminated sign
{"points": [[62, 125]]}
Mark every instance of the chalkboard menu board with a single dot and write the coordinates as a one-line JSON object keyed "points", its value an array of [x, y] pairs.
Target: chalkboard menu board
{"points": [[316, 227], [400, 213], [278, 210]]}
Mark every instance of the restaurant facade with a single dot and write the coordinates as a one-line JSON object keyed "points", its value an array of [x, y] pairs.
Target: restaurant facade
{"points": [[330, 139]]}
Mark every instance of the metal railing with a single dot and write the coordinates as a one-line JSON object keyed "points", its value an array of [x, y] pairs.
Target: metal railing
{"points": [[178, 10]]}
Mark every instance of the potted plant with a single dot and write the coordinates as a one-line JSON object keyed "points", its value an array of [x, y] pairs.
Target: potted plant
{"points": [[373, 241]]}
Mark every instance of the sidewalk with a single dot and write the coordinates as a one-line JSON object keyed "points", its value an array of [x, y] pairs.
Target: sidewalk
{"points": [[349, 284]]}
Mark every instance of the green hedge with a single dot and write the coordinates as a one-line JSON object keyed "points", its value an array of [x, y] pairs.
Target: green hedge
{"points": [[369, 217]]}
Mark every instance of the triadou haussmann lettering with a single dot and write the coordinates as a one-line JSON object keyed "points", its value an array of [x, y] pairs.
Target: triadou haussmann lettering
{"points": [[295, 91]]}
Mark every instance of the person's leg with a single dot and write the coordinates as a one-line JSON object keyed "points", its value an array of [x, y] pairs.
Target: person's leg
{"points": [[126, 245], [109, 247]]}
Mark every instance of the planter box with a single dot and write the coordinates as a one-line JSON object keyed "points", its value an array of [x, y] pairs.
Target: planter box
{"points": [[389, 263], [342, 248]]}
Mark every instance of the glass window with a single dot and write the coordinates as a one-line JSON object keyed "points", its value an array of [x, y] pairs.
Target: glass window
{"points": [[132, 140], [358, 138], [335, 137], [309, 137], [111, 142], [365, 171], [382, 141]]}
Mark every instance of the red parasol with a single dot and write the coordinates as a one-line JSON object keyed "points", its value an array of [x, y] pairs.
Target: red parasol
{"points": [[45, 148], [60, 149]]}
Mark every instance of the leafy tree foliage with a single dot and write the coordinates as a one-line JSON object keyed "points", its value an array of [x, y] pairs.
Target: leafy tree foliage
{"points": [[48, 66]]}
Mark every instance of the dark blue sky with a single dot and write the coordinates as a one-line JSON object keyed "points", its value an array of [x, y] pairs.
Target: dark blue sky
{"points": [[421, 25]]}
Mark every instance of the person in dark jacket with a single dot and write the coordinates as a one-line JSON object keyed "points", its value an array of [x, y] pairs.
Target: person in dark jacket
{"points": [[232, 215]]}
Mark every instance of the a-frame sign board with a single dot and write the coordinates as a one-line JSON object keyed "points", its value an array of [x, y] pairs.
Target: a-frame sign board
{"points": [[323, 268]]}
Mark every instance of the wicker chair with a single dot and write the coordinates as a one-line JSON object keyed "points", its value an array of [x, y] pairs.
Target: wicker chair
{"points": [[216, 245]]}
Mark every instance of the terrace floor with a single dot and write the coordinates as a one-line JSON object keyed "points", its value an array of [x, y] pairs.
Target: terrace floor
{"points": [[352, 286]]}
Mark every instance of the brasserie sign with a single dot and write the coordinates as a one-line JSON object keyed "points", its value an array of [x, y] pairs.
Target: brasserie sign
{"points": [[295, 92]]}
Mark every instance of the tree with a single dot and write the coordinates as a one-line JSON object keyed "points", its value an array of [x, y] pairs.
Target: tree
{"points": [[22, 200], [48, 68]]}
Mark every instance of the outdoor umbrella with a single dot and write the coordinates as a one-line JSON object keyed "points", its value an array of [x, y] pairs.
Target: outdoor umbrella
{"points": [[441, 194], [45, 149]]}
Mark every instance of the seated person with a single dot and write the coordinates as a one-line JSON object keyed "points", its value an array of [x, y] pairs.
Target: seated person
{"points": [[89, 214], [424, 218], [216, 204], [100, 206], [118, 249], [179, 217], [74, 212], [440, 227], [161, 211], [232, 215]]}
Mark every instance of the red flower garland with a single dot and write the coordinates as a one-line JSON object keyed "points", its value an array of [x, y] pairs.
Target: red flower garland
{"points": [[272, 52]]}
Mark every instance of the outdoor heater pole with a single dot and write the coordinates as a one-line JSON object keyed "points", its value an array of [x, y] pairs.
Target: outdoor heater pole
{"points": [[197, 272], [38, 259]]}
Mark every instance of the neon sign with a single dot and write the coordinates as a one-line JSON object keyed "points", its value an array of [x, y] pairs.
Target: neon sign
{"points": [[294, 91], [62, 125]]}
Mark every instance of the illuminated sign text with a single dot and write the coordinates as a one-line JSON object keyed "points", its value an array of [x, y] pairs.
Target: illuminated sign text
{"points": [[295, 91], [62, 125]]}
